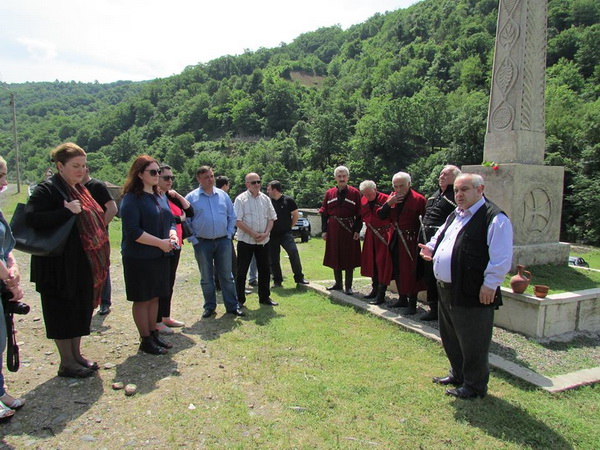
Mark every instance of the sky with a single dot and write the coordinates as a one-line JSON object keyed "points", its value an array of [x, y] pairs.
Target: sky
{"points": [[111, 40]]}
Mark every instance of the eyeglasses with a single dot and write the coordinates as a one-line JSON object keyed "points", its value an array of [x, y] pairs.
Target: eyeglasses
{"points": [[168, 177], [153, 172], [254, 182]]}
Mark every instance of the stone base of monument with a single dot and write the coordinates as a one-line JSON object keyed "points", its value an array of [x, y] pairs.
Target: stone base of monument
{"points": [[555, 253], [531, 196], [556, 317]]}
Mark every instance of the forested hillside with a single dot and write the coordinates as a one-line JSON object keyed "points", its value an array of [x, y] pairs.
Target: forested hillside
{"points": [[406, 90]]}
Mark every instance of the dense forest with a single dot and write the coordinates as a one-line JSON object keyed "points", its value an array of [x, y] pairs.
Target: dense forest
{"points": [[406, 90]]}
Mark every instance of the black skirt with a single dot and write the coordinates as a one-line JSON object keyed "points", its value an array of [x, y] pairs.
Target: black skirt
{"points": [[146, 278], [69, 317]]}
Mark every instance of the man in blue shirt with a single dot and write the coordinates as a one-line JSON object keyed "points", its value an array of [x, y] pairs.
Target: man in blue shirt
{"points": [[213, 225]]}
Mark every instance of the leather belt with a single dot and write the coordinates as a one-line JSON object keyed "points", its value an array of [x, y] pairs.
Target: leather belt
{"points": [[444, 285], [212, 240]]}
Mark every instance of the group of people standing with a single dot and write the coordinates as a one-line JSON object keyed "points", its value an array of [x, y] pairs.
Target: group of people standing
{"points": [[457, 245], [394, 225]]}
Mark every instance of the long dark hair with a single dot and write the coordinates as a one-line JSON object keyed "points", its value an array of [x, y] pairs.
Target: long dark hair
{"points": [[134, 183]]}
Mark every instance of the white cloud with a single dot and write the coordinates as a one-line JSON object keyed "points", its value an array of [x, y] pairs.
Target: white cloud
{"points": [[108, 40], [39, 50]]}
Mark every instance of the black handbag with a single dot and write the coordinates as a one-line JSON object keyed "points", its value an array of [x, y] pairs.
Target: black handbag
{"points": [[186, 229], [40, 242]]}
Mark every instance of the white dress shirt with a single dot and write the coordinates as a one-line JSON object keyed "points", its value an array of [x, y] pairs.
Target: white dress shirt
{"points": [[499, 241], [255, 212]]}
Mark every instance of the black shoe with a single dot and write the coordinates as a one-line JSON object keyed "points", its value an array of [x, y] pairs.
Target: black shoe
{"points": [[160, 341], [463, 392], [412, 307], [253, 283], [207, 313], [372, 294], [335, 287], [104, 310], [277, 284], [431, 315], [302, 281], [149, 345], [349, 291], [400, 303], [377, 301], [237, 312], [445, 381], [268, 301]]}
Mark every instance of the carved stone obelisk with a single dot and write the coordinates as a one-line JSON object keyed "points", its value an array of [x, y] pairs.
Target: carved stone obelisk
{"points": [[529, 192]]}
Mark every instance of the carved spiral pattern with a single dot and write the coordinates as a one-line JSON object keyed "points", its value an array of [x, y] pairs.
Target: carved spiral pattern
{"points": [[502, 117]]}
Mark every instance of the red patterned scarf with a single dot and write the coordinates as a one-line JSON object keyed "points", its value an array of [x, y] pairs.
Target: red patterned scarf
{"points": [[94, 237]]}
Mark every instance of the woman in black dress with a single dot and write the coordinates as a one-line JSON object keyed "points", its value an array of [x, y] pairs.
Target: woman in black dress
{"points": [[181, 210], [149, 236], [70, 284]]}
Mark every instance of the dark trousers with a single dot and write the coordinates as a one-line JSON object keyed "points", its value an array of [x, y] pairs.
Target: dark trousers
{"points": [[430, 281], [286, 241], [106, 296], [244, 256], [466, 334], [164, 303]]}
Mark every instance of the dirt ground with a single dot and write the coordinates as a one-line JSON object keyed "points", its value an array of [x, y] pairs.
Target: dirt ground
{"points": [[68, 413]]}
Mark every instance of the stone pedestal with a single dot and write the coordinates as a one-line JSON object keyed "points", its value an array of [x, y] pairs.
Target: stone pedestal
{"points": [[531, 196]]}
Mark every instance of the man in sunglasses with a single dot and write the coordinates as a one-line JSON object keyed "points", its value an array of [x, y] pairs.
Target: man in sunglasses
{"points": [[255, 217]]}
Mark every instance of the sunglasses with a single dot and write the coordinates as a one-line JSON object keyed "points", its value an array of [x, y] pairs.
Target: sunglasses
{"points": [[168, 177], [153, 172], [255, 182]]}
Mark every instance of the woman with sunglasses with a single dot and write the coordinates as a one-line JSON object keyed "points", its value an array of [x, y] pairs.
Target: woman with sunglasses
{"points": [[181, 210], [149, 237]]}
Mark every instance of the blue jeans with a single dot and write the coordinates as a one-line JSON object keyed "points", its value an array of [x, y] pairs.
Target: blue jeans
{"points": [[253, 272], [105, 297], [217, 254]]}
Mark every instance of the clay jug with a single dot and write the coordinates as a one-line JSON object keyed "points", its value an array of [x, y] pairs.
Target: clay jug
{"points": [[521, 280]]}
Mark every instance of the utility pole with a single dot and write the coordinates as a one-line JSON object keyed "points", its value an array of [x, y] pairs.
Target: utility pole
{"points": [[14, 117]]}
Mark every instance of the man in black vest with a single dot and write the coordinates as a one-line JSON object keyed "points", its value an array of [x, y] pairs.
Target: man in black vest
{"points": [[471, 255], [437, 209], [281, 235]]}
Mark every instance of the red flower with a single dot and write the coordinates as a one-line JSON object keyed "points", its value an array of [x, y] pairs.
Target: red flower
{"points": [[495, 167]]}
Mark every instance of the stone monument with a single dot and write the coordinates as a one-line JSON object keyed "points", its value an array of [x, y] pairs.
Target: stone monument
{"points": [[529, 192]]}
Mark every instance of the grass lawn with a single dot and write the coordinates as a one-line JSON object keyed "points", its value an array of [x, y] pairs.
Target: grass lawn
{"points": [[309, 373]]}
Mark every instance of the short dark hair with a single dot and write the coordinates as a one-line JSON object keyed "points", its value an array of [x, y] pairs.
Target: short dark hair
{"points": [[164, 166], [64, 152], [202, 170], [275, 184], [221, 181]]}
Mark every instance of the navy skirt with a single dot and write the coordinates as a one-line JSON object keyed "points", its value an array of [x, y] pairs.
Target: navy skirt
{"points": [[146, 278]]}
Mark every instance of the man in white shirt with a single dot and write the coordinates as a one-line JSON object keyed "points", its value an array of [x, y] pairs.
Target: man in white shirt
{"points": [[255, 216], [471, 254]]}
